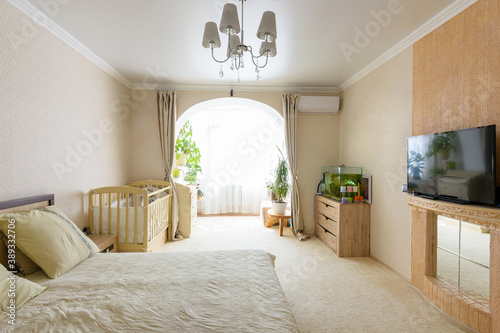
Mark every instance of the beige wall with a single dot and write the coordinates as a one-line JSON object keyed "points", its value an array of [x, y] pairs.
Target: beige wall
{"points": [[51, 97], [374, 123], [317, 139]]}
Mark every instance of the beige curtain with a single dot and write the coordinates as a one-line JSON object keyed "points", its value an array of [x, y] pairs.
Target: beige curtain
{"points": [[167, 116], [290, 105]]}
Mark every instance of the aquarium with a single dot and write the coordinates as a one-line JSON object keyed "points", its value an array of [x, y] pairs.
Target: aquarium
{"points": [[342, 183]]}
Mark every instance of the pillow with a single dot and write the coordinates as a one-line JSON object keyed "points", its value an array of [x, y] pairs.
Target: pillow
{"points": [[49, 238], [25, 266], [24, 291]]}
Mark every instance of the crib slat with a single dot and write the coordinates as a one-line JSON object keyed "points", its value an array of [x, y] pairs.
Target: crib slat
{"points": [[127, 218], [109, 212], [136, 205], [118, 216], [100, 213]]}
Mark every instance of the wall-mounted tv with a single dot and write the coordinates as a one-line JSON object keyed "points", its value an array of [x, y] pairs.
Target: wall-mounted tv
{"points": [[456, 166]]}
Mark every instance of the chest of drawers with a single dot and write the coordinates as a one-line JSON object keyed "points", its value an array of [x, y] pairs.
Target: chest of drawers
{"points": [[345, 228]]}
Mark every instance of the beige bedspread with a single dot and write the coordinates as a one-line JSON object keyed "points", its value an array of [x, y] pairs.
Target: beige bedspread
{"points": [[227, 291]]}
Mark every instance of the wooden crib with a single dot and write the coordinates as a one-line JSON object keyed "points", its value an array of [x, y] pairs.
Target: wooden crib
{"points": [[139, 213]]}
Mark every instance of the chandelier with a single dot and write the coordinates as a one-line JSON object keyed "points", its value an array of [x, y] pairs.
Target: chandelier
{"points": [[236, 48]]}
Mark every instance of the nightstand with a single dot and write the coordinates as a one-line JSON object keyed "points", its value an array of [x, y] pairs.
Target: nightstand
{"points": [[105, 243]]}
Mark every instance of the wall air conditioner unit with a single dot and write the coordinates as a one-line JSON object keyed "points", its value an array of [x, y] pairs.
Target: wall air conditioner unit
{"points": [[319, 104]]}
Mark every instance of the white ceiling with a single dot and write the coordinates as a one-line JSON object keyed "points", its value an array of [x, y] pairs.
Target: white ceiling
{"points": [[158, 42]]}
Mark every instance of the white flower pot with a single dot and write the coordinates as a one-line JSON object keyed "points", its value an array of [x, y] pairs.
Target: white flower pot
{"points": [[279, 207], [181, 161]]}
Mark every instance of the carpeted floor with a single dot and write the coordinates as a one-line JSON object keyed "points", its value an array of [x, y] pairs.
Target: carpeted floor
{"points": [[326, 293]]}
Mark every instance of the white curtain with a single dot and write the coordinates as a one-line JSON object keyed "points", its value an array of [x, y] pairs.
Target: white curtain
{"points": [[290, 103], [167, 116], [238, 152]]}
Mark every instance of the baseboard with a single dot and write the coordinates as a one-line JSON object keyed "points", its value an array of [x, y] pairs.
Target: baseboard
{"points": [[441, 313], [389, 267]]}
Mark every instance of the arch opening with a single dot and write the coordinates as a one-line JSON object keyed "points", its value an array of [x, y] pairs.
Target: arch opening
{"points": [[237, 138]]}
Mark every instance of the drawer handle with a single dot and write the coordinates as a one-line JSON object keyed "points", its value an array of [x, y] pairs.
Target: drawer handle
{"points": [[327, 205]]}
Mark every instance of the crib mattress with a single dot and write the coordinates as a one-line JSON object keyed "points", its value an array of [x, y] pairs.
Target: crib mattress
{"points": [[222, 291], [132, 225]]}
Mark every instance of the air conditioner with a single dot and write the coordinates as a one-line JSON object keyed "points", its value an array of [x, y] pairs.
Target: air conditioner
{"points": [[319, 104]]}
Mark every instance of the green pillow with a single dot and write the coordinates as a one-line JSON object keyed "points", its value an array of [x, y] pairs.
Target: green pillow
{"points": [[49, 238]]}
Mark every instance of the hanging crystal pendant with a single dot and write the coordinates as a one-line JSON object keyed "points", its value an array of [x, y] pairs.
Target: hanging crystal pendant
{"points": [[232, 63], [242, 63], [258, 76], [238, 77], [221, 72]]}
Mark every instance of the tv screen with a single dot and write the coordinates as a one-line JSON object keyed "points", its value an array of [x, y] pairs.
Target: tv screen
{"points": [[456, 165]]}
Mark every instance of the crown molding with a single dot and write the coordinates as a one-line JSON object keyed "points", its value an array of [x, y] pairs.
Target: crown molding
{"points": [[46, 22], [442, 17], [235, 87], [446, 14]]}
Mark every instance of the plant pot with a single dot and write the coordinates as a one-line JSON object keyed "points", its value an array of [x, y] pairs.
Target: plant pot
{"points": [[279, 207], [176, 173], [180, 159], [444, 153]]}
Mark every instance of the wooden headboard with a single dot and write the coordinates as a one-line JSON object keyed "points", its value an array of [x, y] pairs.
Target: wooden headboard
{"points": [[19, 205]]}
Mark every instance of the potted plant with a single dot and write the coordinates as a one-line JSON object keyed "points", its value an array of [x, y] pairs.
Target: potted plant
{"points": [[187, 153], [192, 175], [278, 189], [416, 165], [185, 145], [441, 144]]}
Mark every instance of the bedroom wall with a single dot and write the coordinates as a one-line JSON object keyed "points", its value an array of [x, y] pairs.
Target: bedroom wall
{"points": [[64, 129], [317, 140], [374, 123]]}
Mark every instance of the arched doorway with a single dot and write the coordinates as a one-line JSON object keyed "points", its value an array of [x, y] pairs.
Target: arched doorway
{"points": [[237, 138]]}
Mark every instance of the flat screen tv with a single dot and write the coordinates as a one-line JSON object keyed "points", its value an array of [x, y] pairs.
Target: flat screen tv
{"points": [[456, 166]]}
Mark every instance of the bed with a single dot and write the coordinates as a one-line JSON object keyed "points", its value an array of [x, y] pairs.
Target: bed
{"points": [[220, 291], [139, 213]]}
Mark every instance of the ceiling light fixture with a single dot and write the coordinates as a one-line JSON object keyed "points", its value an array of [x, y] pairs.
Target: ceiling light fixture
{"points": [[236, 48]]}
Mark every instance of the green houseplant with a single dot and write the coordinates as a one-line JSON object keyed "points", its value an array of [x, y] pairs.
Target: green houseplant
{"points": [[278, 189], [441, 144], [187, 153]]}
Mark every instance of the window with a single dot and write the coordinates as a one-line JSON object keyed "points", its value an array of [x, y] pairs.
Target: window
{"points": [[238, 151]]}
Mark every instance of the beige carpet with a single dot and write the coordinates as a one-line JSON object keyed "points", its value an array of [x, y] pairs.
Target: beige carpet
{"points": [[326, 293]]}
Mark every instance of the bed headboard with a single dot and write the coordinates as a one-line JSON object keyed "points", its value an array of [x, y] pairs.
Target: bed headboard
{"points": [[19, 205]]}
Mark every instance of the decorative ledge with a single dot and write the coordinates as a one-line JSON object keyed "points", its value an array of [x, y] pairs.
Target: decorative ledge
{"points": [[486, 216]]}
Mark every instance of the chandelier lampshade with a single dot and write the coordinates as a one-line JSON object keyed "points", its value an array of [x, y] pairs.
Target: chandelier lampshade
{"points": [[267, 27], [229, 22], [234, 42], [211, 35], [269, 47]]}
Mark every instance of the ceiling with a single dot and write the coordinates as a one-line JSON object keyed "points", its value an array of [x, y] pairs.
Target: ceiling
{"points": [[154, 43]]}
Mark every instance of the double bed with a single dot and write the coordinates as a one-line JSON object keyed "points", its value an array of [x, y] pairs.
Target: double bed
{"points": [[220, 291]]}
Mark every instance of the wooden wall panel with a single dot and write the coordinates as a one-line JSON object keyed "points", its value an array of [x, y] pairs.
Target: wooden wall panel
{"points": [[495, 280], [456, 74]]}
